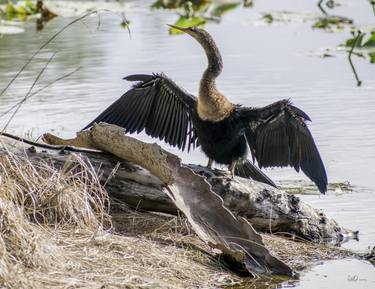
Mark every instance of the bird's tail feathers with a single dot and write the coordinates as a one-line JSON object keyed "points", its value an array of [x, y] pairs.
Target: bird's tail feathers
{"points": [[249, 171]]}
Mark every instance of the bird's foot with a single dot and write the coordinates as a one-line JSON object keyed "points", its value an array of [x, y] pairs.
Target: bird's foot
{"points": [[231, 168], [209, 165]]}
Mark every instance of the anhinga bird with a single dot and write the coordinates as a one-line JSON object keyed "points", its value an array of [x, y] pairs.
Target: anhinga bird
{"points": [[276, 134]]}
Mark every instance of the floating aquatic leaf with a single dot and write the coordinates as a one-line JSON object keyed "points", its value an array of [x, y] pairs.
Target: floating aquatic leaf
{"points": [[187, 22], [371, 55], [286, 17], [371, 41], [361, 41], [198, 5], [356, 41], [161, 4], [329, 22], [10, 10], [31, 7], [268, 18], [220, 10], [20, 11], [248, 3], [125, 24]]}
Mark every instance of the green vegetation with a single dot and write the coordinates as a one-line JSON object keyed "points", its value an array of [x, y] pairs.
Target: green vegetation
{"points": [[268, 18], [362, 45], [332, 23], [20, 10], [362, 41], [196, 13]]}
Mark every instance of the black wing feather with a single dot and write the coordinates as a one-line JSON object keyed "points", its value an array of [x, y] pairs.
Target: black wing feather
{"points": [[158, 106], [167, 115], [179, 120], [278, 136]]}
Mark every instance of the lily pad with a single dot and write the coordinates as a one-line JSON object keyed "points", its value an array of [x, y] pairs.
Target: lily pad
{"points": [[286, 17], [354, 41], [371, 55], [268, 18], [332, 23], [370, 43], [20, 10], [220, 10], [187, 22], [363, 41]]}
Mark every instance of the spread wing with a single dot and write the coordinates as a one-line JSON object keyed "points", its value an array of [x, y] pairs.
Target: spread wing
{"points": [[278, 136], [158, 106]]}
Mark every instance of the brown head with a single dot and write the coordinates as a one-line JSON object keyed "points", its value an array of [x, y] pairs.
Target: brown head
{"points": [[201, 35]]}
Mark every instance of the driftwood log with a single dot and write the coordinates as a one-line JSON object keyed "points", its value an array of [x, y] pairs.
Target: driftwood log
{"points": [[266, 208], [167, 186]]}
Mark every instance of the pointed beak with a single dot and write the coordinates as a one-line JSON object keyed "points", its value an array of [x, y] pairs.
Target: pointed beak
{"points": [[183, 29]]}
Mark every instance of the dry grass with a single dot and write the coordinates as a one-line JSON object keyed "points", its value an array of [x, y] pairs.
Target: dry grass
{"points": [[68, 196], [22, 246], [300, 254], [56, 232]]}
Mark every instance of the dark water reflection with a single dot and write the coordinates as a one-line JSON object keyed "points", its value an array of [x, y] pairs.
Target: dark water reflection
{"points": [[263, 63]]}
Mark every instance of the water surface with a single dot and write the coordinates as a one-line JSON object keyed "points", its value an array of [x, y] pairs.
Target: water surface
{"points": [[262, 63]]}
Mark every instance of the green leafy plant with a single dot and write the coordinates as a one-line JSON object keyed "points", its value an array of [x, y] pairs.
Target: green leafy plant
{"points": [[361, 41], [20, 11], [332, 22], [195, 12], [187, 22], [220, 10], [268, 18]]}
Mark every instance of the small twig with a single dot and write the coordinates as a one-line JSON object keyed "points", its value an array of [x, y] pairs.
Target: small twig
{"points": [[123, 18], [29, 91], [321, 8], [126, 22], [372, 3], [85, 24], [112, 174], [359, 54], [99, 22], [359, 82]]}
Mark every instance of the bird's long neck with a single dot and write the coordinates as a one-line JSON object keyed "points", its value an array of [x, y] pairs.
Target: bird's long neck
{"points": [[212, 105], [215, 61], [207, 88]]}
